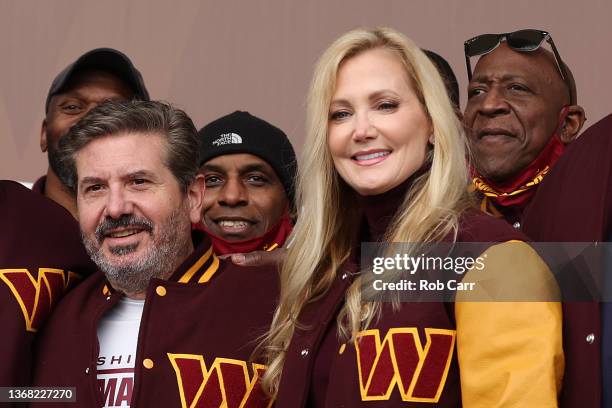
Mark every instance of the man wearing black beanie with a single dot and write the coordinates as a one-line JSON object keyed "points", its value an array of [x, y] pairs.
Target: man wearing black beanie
{"points": [[249, 167]]}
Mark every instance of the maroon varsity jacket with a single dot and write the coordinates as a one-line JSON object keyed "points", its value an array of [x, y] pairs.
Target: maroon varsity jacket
{"points": [[409, 358], [41, 256], [197, 333], [574, 204]]}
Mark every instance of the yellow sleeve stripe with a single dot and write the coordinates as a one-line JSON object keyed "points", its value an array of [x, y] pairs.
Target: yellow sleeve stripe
{"points": [[196, 266]]}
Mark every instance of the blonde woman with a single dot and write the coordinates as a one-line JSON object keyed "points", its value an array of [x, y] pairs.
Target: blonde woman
{"points": [[384, 161]]}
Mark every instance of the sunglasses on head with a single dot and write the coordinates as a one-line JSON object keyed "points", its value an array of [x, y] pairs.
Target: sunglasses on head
{"points": [[522, 41]]}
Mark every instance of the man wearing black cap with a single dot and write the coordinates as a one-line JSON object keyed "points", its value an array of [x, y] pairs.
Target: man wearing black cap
{"points": [[249, 166], [98, 75]]}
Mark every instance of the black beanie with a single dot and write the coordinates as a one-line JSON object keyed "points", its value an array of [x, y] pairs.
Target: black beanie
{"points": [[241, 132]]}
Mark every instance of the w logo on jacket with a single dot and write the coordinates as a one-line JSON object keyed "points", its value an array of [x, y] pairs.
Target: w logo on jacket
{"points": [[225, 383], [401, 361], [36, 297]]}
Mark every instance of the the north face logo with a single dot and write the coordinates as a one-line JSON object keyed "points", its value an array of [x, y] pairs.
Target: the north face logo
{"points": [[227, 138]]}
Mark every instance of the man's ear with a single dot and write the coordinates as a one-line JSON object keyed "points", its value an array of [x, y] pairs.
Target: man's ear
{"points": [[570, 130], [195, 195], [43, 136]]}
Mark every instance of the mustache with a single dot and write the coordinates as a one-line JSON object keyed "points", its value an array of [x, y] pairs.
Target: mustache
{"points": [[123, 221]]}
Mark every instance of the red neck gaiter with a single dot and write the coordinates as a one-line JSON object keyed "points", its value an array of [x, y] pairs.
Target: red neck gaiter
{"points": [[518, 191], [270, 241]]}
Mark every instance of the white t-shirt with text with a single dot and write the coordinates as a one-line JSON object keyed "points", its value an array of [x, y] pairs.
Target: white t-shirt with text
{"points": [[118, 338]]}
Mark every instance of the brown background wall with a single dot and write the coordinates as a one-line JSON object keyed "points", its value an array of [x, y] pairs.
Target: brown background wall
{"points": [[213, 57]]}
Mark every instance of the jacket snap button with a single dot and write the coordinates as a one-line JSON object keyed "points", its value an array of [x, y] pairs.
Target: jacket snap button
{"points": [[147, 363], [160, 290], [590, 338], [304, 352], [87, 370], [108, 298], [517, 225], [344, 276]]}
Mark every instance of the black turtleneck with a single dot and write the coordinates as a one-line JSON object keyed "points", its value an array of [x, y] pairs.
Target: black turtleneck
{"points": [[379, 210]]}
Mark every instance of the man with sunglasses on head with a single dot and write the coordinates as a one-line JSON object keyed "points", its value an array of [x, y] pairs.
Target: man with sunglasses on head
{"points": [[521, 114]]}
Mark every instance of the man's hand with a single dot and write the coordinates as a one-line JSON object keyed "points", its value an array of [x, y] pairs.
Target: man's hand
{"points": [[259, 258]]}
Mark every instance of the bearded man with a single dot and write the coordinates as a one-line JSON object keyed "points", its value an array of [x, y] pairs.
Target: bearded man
{"points": [[155, 323]]}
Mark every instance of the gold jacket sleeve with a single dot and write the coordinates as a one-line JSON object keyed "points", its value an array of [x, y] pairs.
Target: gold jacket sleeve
{"points": [[510, 352]]}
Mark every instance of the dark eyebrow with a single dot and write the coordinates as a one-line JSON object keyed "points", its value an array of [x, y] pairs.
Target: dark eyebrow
{"points": [[211, 167], [139, 174], [91, 180], [247, 168], [72, 94], [81, 96], [129, 176], [504, 78], [254, 167], [64, 96]]}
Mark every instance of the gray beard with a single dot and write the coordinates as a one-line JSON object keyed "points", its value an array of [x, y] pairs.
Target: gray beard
{"points": [[159, 261]]}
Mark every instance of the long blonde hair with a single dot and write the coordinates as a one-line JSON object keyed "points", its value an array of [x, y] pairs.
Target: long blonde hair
{"points": [[327, 222]]}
